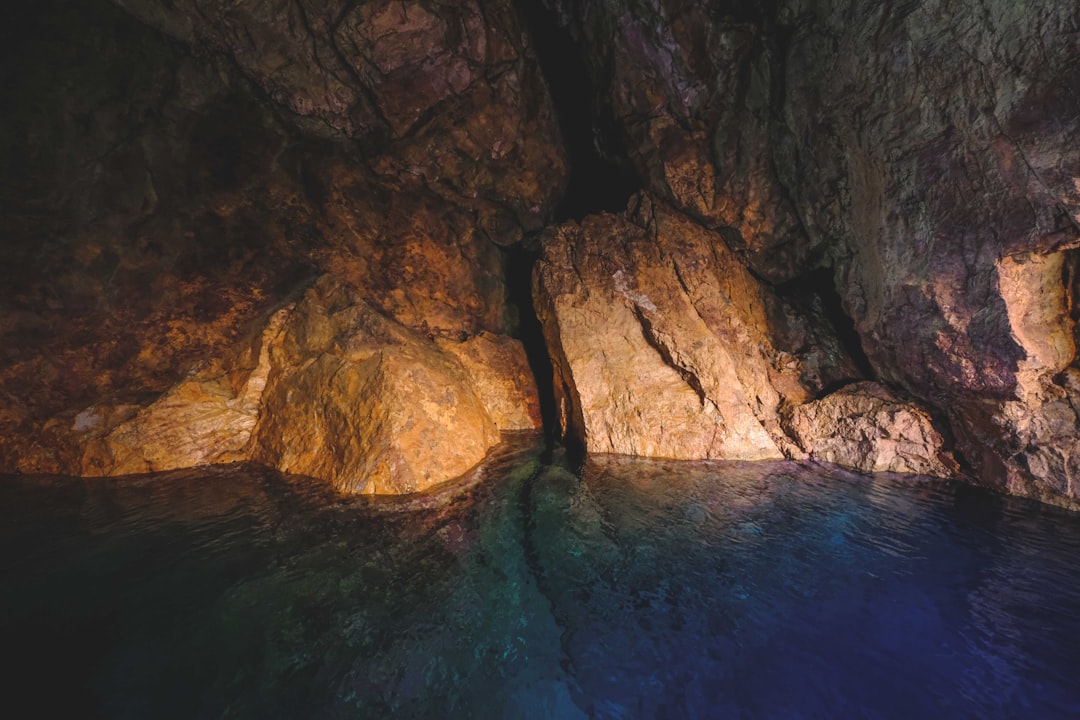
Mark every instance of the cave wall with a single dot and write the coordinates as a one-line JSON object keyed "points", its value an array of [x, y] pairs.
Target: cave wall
{"points": [[186, 244], [923, 153], [934, 152], [243, 231]]}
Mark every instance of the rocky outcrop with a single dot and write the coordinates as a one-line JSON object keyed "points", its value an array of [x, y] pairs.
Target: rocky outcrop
{"points": [[864, 427], [934, 151], [330, 388], [369, 405], [925, 152], [836, 191], [660, 341]]}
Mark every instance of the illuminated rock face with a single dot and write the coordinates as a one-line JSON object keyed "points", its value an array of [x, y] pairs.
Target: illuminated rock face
{"points": [[659, 339], [329, 388], [926, 154], [164, 216], [371, 406], [663, 347], [168, 212]]}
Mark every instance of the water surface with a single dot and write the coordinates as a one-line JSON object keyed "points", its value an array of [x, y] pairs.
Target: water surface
{"points": [[623, 589]]}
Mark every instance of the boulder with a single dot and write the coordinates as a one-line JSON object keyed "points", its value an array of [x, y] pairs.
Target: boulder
{"points": [[659, 340], [864, 427], [329, 388], [367, 404]]}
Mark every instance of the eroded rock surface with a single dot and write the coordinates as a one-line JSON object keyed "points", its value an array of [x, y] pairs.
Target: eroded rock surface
{"points": [[446, 96], [329, 388], [865, 427], [692, 90], [660, 341], [368, 404], [159, 208], [934, 152], [926, 153]]}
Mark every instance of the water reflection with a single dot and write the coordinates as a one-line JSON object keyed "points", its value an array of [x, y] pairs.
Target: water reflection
{"points": [[625, 588]]}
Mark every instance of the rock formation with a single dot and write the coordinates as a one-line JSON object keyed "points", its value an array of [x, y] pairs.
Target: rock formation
{"points": [[179, 213], [659, 339], [663, 346], [925, 153], [863, 426], [277, 232]]}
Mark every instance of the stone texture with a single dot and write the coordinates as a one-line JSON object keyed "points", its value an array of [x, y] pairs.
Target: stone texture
{"points": [[329, 388], [159, 208], [924, 152], [659, 340], [447, 97], [204, 420], [367, 404], [691, 87], [500, 373], [864, 427], [933, 149]]}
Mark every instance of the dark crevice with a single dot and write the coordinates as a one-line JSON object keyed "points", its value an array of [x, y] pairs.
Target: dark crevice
{"points": [[602, 179], [819, 283], [519, 262]]}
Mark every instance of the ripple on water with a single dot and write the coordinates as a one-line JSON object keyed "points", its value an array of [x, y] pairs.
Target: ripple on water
{"points": [[624, 588]]}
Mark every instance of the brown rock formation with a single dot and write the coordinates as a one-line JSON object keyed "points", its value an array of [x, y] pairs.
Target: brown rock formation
{"points": [[691, 87], [160, 208], [330, 388], [369, 405], [835, 191], [926, 152], [447, 97], [935, 150], [660, 340], [863, 426]]}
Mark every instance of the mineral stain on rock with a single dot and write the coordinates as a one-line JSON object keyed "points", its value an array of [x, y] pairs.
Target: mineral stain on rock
{"points": [[301, 234]]}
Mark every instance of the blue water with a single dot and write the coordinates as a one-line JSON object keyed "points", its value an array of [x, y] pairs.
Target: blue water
{"points": [[622, 589]]}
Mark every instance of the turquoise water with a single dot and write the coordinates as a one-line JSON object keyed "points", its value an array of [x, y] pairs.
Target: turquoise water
{"points": [[621, 589]]}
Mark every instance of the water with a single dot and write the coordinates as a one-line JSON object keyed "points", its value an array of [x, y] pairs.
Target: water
{"points": [[628, 589]]}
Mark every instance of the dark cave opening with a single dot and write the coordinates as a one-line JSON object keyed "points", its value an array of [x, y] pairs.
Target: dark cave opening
{"points": [[519, 262], [602, 179], [819, 284]]}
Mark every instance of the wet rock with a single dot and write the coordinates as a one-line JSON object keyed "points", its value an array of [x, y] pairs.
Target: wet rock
{"points": [[863, 426], [659, 340]]}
